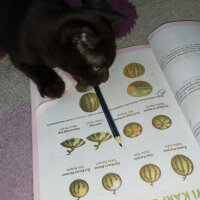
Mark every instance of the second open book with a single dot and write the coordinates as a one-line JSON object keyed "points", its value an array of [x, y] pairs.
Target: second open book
{"points": [[153, 94]]}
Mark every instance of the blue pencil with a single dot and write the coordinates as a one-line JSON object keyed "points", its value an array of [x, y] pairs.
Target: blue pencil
{"points": [[108, 116]]}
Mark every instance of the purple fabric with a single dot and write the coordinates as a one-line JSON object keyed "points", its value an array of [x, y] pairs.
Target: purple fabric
{"points": [[16, 155], [2, 54]]}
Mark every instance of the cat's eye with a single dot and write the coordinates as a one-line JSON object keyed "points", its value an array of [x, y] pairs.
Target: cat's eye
{"points": [[95, 69]]}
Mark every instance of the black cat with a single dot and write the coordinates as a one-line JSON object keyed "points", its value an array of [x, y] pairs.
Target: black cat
{"points": [[41, 34]]}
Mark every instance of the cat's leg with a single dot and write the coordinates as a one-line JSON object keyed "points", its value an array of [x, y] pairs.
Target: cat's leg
{"points": [[48, 82]]}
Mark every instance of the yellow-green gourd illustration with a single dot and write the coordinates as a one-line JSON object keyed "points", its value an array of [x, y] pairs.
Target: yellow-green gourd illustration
{"points": [[99, 138], [132, 129], [89, 102], [111, 182], [150, 173], [79, 188], [161, 122], [83, 88], [139, 89], [72, 143], [133, 70], [182, 165]]}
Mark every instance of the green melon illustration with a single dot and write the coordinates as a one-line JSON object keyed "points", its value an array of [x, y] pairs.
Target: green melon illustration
{"points": [[132, 129], [139, 89], [89, 102], [112, 182], [182, 165], [161, 122], [150, 173], [79, 188], [99, 138], [133, 70], [83, 88], [72, 143]]}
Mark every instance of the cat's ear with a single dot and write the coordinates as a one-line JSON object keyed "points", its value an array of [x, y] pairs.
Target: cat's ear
{"points": [[116, 21], [106, 10]]}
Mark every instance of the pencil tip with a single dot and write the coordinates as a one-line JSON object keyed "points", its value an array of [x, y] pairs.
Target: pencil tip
{"points": [[120, 145]]}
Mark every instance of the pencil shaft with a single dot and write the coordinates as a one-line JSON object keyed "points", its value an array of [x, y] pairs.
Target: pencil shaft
{"points": [[107, 112]]}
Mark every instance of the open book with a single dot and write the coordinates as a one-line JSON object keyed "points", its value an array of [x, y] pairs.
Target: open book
{"points": [[153, 94]]}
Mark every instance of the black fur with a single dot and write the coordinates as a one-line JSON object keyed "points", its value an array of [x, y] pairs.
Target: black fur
{"points": [[41, 34]]}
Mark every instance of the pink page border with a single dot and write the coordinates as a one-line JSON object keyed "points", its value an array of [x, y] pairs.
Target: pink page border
{"points": [[164, 26], [36, 180], [133, 48]]}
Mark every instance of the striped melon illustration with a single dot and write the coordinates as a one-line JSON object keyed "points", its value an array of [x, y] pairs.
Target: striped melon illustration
{"points": [[83, 88], [89, 102], [133, 70], [99, 138], [72, 143], [161, 122], [132, 129], [150, 173], [182, 165], [79, 188], [139, 89], [111, 182]]}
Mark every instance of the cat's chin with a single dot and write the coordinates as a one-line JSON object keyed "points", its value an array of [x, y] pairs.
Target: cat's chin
{"points": [[96, 82], [93, 79]]}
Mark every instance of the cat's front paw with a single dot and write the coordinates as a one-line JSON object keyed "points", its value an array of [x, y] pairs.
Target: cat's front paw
{"points": [[52, 88]]}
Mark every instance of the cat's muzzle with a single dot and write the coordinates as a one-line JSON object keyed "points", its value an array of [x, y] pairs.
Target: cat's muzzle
{"points": [[93, 78]]}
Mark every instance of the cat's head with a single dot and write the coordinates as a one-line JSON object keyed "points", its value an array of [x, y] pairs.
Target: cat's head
{"points": [[87, 45]]}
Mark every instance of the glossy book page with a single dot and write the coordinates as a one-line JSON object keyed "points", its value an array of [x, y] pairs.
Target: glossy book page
{"points": [[177, 48], [76, 156]]}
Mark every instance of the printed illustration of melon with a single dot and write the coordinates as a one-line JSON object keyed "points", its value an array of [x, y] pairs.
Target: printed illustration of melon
{"points": [[89, 102], [161, 122], [99, 138], [182, 165], [150, 173], [83, 88], [133, 70], [139, 89], [79, 188], [111, 182], [72, 143], [132, 129]]}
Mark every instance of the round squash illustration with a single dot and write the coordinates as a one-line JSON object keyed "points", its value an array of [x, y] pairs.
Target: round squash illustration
{"points": [[111, 182], [79, 188], [99, 138], [83, 88], [139, 89], [182, 165], [132, 129], [133, 70], [72, 143], [150, 173], [161, 122], [89, 102]]}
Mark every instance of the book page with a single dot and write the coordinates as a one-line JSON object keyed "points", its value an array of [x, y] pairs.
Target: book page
{"points": [[78, 158], [177, 47]]}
